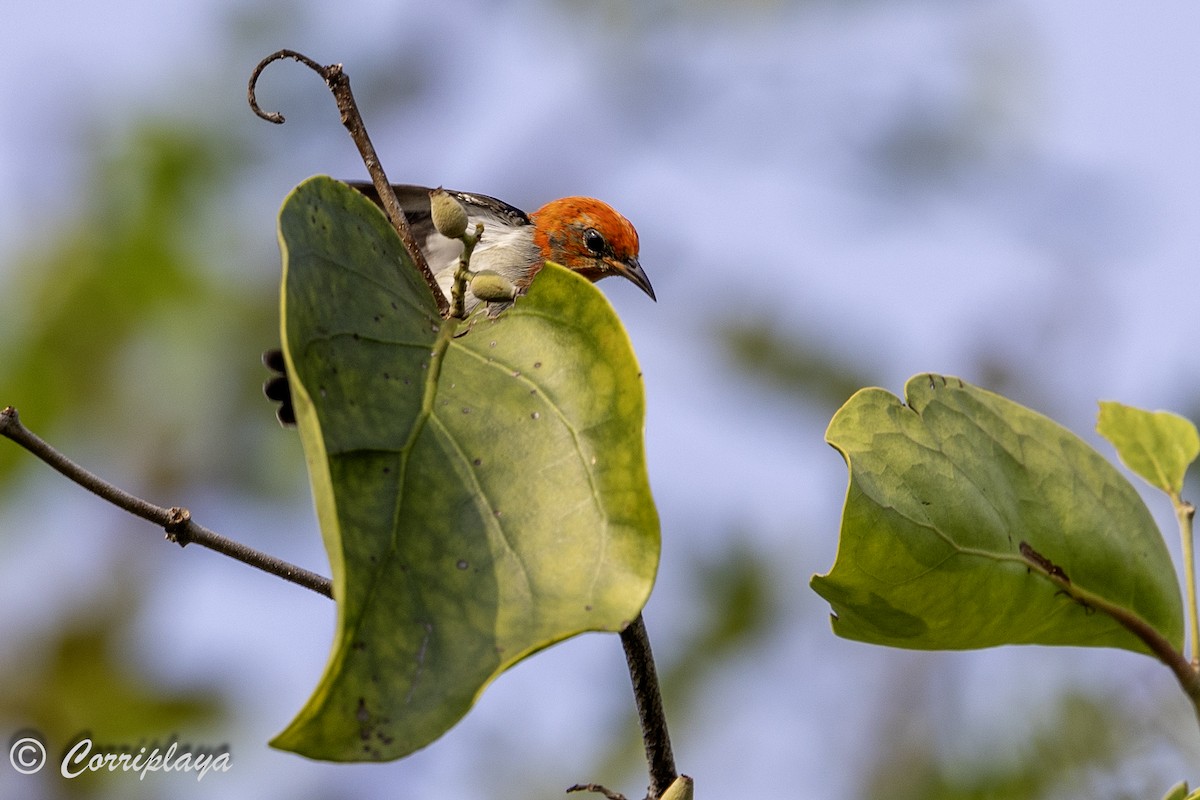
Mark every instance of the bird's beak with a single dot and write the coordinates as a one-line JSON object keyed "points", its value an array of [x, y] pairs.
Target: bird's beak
{"points": [[632, 269]]}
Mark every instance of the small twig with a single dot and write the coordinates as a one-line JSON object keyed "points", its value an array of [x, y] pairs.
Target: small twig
{"points": [[177, 522], [596, 788], [463, 273], [1185, 513], [653, 719], [337, 81], [1185, 672]]}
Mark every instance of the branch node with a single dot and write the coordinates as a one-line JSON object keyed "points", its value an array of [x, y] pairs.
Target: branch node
{"points": [[178, 521], [8, 417]]}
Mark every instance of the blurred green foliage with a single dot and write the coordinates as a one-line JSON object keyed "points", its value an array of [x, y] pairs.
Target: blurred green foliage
{"points": [[80, 298], [1069, 749], [126, 336], [84, 681], [120, 320]]}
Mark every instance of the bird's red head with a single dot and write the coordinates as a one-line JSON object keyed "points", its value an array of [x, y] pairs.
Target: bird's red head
{"points": [[589, 237]]}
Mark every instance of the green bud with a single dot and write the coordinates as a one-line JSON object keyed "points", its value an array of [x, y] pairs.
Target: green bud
{"points": [[491, 286], [449, 216], [680, 789]]}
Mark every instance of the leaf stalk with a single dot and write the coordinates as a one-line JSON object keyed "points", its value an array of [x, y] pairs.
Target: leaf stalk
{"points": [[1185, 512]]}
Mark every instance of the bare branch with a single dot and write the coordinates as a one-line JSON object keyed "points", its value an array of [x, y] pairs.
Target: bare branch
{"points": [[176, 521], [653, 719], [339, 84]]}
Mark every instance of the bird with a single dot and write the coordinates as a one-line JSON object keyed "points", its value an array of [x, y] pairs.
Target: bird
{"points": [[583, 234]]}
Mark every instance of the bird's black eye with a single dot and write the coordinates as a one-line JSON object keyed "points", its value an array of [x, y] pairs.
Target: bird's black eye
{"points": [[594, 240]]}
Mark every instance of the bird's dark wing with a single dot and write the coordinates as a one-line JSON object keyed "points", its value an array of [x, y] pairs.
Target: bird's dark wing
{"points": [[414, 200], [442, 253]]}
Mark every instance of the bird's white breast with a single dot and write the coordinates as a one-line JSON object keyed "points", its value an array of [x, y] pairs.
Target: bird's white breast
{"points": [[505, 249]]}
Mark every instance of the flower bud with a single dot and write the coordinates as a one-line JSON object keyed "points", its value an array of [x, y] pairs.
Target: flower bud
{"points": [[680, 789], [449, 216], [490, 286]]}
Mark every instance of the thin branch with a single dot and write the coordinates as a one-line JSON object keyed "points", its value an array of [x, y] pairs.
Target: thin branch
{"points": [[176, 521], [339, 84], [596, 789], [653, 719], [1185, 672]]}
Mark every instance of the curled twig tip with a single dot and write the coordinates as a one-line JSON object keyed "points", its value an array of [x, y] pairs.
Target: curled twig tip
{"points": [[338, 82], [327, 73]]}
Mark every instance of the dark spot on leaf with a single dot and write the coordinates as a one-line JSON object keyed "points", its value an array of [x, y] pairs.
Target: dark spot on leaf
{"points": [[537, 365], [362, 714], [466, 410], [477, 462]]}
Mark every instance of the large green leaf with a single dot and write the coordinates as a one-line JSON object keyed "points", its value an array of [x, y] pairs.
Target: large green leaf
{"points": [[481, 486], [943, 491]]}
